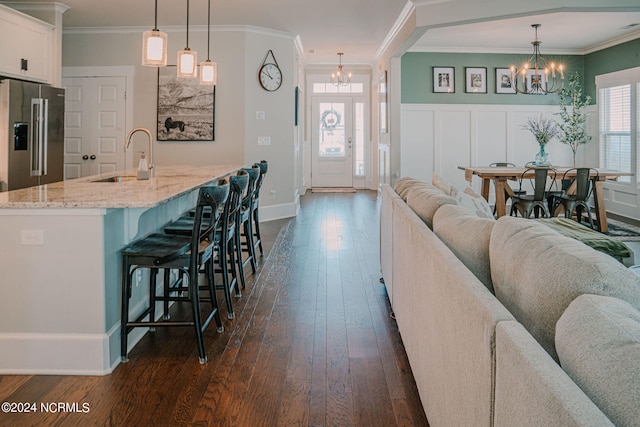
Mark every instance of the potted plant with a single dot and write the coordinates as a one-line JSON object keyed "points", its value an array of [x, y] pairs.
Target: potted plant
{"points": [[543, 129], [573, 131]]}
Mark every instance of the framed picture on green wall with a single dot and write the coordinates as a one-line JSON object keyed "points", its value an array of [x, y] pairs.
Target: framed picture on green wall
{"points": [[444, 80], [476, 79], [504, 81]]}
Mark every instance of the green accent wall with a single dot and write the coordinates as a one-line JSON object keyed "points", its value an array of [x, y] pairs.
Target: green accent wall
{"points": [[417, 78], [615, 58]]}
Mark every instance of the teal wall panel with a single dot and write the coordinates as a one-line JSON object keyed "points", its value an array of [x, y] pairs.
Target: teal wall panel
{"points": [[417, 78], [615, 58]]}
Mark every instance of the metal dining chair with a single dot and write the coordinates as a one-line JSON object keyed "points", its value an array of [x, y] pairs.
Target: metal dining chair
{"points": [[526, 204], [579, 201]]}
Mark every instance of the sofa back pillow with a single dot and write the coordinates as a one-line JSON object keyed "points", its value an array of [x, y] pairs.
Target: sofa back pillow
{"points": [[468, 238], [403, 185], [425, 202], [442, 184], [537, 272], [598, 343]]}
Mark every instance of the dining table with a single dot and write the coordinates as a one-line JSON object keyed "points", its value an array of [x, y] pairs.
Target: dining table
{"points": [[500, 175]]}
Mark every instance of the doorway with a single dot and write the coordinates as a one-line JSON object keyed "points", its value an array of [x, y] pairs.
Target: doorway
{"points": [[95, 125], [332, 142]]}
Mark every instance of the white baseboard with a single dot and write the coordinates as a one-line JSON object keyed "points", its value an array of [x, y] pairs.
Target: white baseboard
{"points": [[285, 210]]}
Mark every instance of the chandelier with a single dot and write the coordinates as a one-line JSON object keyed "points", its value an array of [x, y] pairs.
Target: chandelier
{"points": [[537, 75], [339, 78]]}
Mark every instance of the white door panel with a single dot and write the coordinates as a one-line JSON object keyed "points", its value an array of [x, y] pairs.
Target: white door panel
{"points": [[94, 126], [331, 143]]}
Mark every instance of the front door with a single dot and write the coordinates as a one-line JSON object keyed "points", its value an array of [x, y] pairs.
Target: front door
{"points": [[331, 142], [94, 125]]}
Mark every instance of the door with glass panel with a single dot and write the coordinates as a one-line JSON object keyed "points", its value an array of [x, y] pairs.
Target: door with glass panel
{"points": [[331, 142]]}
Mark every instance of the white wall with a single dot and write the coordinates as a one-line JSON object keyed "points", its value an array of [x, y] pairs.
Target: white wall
{"points": [[441, 137]]}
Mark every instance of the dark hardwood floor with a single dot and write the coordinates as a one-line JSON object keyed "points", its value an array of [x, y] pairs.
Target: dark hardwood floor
{"points": [[312, 344]]}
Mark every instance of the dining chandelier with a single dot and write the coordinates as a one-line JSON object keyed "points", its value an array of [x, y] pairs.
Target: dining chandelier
{"points": [[154, 45], [537, 75], [187, 58], [339, 78]]}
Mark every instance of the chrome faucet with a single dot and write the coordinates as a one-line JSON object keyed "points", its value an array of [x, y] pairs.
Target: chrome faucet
{"points": [[126, 145]]}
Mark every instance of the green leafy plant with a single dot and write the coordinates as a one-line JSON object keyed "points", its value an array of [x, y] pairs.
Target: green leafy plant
{"points": [[573, 130]]}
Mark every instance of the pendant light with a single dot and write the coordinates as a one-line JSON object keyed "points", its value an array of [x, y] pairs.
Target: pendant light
{"points": [[208, 69], [154, 45], [187, 58]]}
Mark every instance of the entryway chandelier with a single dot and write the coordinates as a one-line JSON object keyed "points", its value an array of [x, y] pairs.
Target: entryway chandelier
{"points": [[537, 75], [339, 78]]}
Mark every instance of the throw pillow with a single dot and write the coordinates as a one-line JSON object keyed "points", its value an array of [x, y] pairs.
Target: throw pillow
{"points": [[472, 201], [598, 343]]}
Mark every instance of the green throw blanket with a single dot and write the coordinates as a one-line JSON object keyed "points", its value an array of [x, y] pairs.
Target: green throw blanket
{"points": [[589, 237]]}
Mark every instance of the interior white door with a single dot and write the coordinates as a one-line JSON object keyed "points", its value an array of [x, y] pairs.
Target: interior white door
{"points": [[95, 110], [331, 142]]}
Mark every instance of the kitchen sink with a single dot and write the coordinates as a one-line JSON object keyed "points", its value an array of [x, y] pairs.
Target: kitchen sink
{"points": [[118, 178]]}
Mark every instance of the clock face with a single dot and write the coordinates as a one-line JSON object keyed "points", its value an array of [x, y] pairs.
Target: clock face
{"points": [[270, 77]]}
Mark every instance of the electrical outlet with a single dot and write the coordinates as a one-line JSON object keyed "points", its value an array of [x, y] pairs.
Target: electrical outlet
{"points": [[260, 115], [272, 193], [32, 237]]}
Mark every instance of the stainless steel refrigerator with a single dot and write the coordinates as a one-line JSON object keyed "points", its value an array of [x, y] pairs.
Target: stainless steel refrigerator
{"points": [[31, 134]]}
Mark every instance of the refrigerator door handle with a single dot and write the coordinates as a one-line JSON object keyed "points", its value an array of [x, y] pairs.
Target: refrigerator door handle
{"points": [[44, 136], [36, 136]]}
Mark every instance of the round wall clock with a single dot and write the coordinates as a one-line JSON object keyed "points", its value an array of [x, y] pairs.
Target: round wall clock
{"points": [[270, 75]]}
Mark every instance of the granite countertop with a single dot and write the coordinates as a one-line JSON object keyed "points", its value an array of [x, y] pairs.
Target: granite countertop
{"points": [[169, 182]]}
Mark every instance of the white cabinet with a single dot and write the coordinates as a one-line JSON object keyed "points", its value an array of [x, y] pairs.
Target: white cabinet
{"points": [[25, 42]]}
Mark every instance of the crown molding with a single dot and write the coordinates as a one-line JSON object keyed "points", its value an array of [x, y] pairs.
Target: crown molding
{"points": [[180, 29], [408, 9]]}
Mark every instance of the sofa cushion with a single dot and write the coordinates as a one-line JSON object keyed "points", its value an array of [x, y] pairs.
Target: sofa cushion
{"points": [[425, 202], [472, 201], [598, 343], [403, 185], [468, 237], [537, 272]]}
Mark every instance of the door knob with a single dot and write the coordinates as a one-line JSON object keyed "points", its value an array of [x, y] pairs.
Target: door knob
{"points": [[93, 157], [85, 157]]}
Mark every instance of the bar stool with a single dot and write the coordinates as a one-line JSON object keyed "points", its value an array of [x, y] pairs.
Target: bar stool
{"points": [[246, 218], [264, 167], [187, 254], [226, 238]]}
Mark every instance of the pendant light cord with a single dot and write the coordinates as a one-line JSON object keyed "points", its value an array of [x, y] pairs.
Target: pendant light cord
{"points": [[208, 28], [155, 22], [187, 24]]}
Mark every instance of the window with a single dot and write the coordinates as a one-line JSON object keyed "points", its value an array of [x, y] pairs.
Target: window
{"points": [[616, 148], [331, 88]]}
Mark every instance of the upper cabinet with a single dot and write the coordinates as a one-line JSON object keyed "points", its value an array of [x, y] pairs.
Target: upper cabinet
{"points": [[25, 46]]}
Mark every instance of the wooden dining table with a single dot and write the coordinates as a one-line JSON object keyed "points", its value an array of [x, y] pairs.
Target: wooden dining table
{"points": [[500, 175]]}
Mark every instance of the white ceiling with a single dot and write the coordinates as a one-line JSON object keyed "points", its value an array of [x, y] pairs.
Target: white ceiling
{"points": [[568, 33], [359, 27]]}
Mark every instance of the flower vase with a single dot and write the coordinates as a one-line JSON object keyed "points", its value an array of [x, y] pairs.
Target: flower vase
{"points": [[542, 158]]}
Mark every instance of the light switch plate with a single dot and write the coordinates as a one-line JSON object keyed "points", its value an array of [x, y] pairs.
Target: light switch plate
{"points": [[260, 115], [32, 237], [264, 140]]}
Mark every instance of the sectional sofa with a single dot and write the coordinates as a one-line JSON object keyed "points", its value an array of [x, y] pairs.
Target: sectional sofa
{"points": [[507, 322]]}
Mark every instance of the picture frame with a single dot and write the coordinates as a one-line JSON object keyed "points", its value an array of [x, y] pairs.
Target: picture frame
{"points": [[383, 117], [444, 79], [504, 81], [475, 79], [536, 79], [186, 109]]}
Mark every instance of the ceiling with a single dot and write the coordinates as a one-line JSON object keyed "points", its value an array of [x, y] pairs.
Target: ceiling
{"points": [[359, 27]]}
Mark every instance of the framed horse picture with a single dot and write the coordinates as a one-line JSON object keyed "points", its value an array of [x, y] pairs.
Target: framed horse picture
{"points": [[186, 109]]}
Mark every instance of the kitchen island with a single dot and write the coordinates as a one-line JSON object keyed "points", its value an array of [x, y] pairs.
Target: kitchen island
{"points": [[60, 264]]}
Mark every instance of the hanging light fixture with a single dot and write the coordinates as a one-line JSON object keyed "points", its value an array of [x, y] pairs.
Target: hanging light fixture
{"points": [[187, 58], [154, 45], [208, 69], [339, 78], [537, 75]]}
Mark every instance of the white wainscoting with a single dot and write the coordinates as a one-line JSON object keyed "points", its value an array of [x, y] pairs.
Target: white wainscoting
{"points": [[441, 137]]}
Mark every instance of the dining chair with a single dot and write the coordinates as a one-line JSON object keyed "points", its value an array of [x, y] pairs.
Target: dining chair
{"points": [[526, 204], [579, 201]]}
